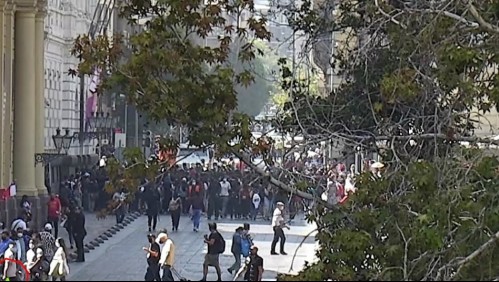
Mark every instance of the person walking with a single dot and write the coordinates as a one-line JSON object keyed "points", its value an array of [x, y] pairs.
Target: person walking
{"points": [[175, 208], [167, 257], [278, 224], [59, 267], [79, 233], [253, 267], [10, 267], [197, 207], [54, 212], [152, 200], [236, 250], [216, 246], [66, 220], [153, 253]]}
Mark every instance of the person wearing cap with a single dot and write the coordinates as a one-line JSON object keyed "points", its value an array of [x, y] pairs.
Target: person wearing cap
{"points": [[278, 224], [253, 267], [153, 256]]}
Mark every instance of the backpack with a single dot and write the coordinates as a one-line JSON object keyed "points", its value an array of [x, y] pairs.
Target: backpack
{"points": [[245, 246], [220, 244]]}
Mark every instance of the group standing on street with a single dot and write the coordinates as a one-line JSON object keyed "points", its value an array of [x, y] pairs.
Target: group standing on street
{"points": [[43, 253], [160, 256]]}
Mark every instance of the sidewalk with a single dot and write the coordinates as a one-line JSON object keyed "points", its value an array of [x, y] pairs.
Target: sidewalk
{"points": [[95, 227], [121, 258]]}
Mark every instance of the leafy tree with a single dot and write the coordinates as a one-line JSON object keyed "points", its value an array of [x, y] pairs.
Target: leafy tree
{"points": [[414, 73], [169, 76]]}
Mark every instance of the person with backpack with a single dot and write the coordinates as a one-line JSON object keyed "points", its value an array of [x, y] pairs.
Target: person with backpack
{"points": [[216, 246]]}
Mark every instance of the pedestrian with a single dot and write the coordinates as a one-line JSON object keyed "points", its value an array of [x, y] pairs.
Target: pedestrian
{"points": [[20, 239], [255, 207], [59, 268], [216, 246], [213, 197], [120, 206], [197, 208], [278, 224], [245, 201], [26, 206], [153, 253], [175, 208], [46, 240], [152, 199], [66, 220], [54, 212], [9, 266], [253, 267], [246, 241], [79, 233], [167, 257], [236, 250], [31, 254], [40, 268], [224, 195]]}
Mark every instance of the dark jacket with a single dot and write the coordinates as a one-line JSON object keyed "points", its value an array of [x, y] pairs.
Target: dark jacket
{"points": [[78, 225]]}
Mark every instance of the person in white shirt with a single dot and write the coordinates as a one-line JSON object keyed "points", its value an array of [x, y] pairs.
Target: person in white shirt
{"points": [[256, 205], [225, 188], [31, 254], [167, 257], [278, 224], [10, 267]]}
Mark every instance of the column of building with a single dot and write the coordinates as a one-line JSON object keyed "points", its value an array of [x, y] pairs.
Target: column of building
{"points": [[2, 28], [24, 98], [39, 93], [8, 56]]}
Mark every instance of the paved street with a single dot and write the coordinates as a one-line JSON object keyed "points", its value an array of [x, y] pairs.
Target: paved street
{"points": [[121, 258], [95, 227]]}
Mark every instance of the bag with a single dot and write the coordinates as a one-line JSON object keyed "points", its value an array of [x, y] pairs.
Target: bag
{"points": [[220, 244], [245, 247], [174, 205]]}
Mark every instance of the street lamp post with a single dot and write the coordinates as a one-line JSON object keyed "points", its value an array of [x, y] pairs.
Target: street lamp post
{"points": [[60, 142], [102, 124]]}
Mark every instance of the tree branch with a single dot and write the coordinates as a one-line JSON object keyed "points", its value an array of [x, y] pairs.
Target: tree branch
{"points": [[474, 12], [463, 262], [281, 184], [421, 137], [475, 254], [392, 19]]}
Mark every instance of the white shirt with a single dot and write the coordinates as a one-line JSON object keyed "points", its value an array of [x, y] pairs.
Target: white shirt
{"points": [[277, 218], [256, 200], [12, 268], [30, 258], [225, 188], [165, 250]]}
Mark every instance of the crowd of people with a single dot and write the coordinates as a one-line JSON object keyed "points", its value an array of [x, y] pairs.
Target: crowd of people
{"points": [[160, 254], [42, 252], [227, 194]]}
